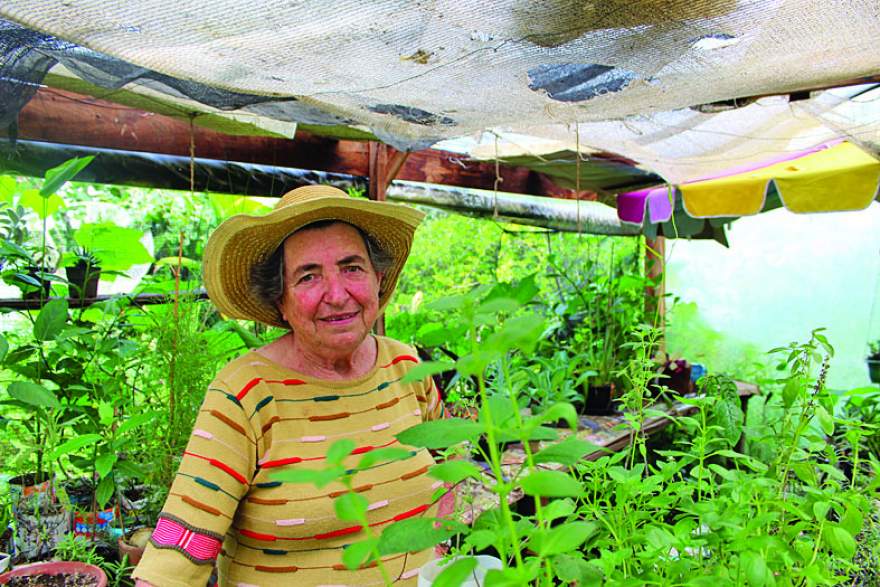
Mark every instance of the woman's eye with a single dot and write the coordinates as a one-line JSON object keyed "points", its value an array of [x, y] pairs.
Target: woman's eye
{"points": [[306, 278], [354, 268]]}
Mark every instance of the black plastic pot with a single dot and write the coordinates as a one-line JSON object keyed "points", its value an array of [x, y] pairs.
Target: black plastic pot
{"points": [[83, 280], [33, 293], [874, 370], [599, 400]]}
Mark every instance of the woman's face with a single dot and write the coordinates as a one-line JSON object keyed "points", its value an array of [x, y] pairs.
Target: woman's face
{"points": [[331, 292]]}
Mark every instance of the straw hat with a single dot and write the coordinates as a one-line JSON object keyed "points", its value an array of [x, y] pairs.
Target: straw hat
{"points": [[243, 240]]}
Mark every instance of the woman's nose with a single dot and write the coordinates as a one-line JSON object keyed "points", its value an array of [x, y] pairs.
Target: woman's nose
{"points": [[336, 293]]}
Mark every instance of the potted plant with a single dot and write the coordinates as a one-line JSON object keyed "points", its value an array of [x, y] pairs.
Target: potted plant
{"points": [[674, 374], [83, 271], [55, 573], [874, 361]]}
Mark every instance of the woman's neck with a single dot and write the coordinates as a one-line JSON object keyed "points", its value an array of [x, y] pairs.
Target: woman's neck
{"points": [[339, 366]]}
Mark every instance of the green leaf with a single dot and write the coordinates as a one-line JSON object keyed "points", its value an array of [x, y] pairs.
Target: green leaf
{"points": [[75, 444], [58, 176], [414, 534], [105, 491], [498, 305], [134, 421], [130, 469], [826, 420], [351, 507], [51, 320], [852, 521], [561, 411], [551, 484], [575, 570], [481, 539], [790, 391], [386, 455], [4, 348], [33, 394], [558, 508], [317, 477], [8, 187], [840, 541], [339, 450], [447, 303], [173, 262], [455, 573], [104, 463], [562, 539], [44, 207], [753, 566], [105, 414], [441, 433], [568, 452], [426, 369], [522, 332], [358, 553], [116, 247], [454, 471]]}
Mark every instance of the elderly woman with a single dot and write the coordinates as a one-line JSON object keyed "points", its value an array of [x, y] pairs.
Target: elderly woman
{"points": [[323, 265]]}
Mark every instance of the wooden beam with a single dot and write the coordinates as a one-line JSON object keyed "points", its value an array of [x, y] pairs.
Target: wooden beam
{"points": [[385, 164], [59, 116]]}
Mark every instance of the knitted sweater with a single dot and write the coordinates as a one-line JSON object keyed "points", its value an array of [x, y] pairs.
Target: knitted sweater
{"points": [[259, 418]]}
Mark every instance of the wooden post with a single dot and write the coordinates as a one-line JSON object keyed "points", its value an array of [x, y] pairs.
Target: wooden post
{"points": [[384, 165], [655, 300]]}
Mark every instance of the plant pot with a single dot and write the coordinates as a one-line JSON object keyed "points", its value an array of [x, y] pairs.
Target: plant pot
{"points": [[134, 545], [91, 525], [429, 571], [32, 292], [83, 280], [38, 532], [25, 487], [599, 400], [874, 370], [83, 570], [135, 498], [5, 559]]}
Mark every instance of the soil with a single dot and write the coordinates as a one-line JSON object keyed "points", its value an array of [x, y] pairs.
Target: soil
{"points": [[54, 580]]}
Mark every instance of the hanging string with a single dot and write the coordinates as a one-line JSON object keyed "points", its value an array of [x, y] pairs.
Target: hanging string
{"points": [[498, 180], [577, 175]]}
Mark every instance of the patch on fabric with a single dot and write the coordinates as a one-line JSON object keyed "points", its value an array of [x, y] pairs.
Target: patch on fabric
{"points": [[576, 82], [198, 547], [412, 114]]}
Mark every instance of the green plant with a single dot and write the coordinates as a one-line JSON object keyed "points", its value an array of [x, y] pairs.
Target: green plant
{"points": [[77, 548], [874, 351]]}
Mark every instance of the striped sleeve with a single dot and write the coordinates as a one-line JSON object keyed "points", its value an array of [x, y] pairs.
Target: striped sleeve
{"points": [[214, 475]]}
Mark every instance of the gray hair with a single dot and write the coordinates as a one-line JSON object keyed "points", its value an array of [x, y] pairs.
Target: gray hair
{"points": [[267, 277]]}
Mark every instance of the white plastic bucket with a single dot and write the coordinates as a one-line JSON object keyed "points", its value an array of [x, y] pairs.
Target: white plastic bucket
{"points": [[432, 569]]}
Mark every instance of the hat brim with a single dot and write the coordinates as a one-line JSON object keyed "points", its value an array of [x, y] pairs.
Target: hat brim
{"points": [[244, 240]]}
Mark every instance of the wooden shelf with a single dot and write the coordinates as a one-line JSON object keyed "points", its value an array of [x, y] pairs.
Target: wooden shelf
{"points": [[138, 300]]}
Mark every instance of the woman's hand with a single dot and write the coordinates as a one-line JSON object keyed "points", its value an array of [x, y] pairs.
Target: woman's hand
{"points": [[141, 583]]}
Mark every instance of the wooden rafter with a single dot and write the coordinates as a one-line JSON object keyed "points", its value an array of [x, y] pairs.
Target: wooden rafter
{"points": [[59, 116]]}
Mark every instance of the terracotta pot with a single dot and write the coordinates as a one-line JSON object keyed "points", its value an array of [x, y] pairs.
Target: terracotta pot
{"points": [[135, 545], [55, 568]]}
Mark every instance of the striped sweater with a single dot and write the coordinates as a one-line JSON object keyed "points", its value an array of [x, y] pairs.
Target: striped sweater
{"points": [[259, 418]]}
